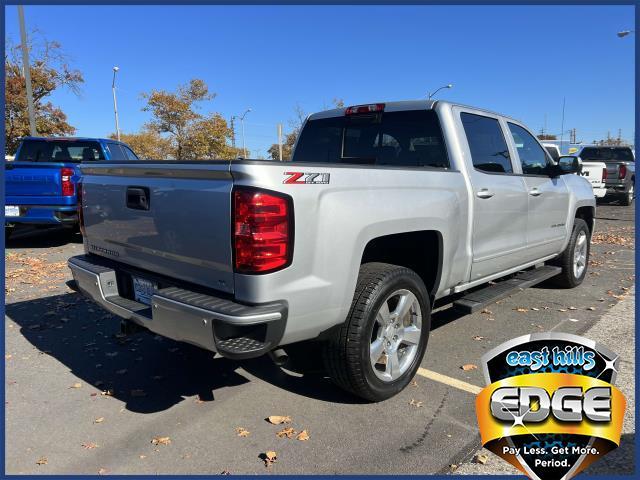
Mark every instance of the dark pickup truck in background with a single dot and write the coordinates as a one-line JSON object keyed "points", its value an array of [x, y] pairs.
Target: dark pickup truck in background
{"points": [[621, 169], [40, 185]]}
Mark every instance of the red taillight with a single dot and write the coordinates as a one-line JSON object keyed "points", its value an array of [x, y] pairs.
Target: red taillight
{"points": [[604, 174], [67, 184], [80, 216], [262, 231], [371, 108], [622, 172]]}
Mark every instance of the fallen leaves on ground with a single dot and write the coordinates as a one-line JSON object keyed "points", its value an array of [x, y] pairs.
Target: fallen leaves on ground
{"points": [[107, 393], [481, 458], [269, 458], [42, 461], [161, 441], [288, 432], [521, 309], [477, 338], [90, 445], [76, 385], [278, 419], [469, 366], [414, 383], [242, 432], [99, 420], [615, 238], [303, 436], [414, 403], [102, 471]]}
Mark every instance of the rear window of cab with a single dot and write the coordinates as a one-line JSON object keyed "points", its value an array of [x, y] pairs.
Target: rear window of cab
{"points": [[411, 138], [67, 151]]}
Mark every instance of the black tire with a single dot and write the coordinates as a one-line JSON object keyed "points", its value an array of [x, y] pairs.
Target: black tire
{"points": [[568, 279], [627, 198], [346, 353]]}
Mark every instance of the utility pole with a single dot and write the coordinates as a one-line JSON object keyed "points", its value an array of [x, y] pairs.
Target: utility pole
{"points": [[233, 132], [115, 103], [280, 141], [619, 136], [27, 72], [562, 125]]}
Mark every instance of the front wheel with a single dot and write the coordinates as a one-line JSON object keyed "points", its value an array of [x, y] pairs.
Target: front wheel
{"points": [[378, 349], [575, 258]]}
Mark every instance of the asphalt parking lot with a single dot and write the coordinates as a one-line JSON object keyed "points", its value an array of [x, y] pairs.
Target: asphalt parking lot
{"points": [[80, 398]]}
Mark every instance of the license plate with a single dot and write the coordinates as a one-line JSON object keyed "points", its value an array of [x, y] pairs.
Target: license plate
{"points": [[143, 290], [11, 211]]}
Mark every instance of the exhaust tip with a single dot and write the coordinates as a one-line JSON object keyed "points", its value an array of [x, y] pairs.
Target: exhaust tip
{"points": [[279, 356]]}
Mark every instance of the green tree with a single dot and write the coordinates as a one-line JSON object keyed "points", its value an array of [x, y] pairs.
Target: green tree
{"points": [[50, 71]]}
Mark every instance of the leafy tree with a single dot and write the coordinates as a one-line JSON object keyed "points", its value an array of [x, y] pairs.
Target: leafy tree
{"points": [[49, 71], [191, 135], [287, 147], [147, 144]]}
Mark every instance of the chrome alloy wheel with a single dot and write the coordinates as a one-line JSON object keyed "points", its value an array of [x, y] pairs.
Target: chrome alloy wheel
{"points": [[580, 254], [396, 335]]}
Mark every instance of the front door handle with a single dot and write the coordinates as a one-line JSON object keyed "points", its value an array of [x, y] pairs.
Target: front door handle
{"points": [[484, 193], [534, 192]]}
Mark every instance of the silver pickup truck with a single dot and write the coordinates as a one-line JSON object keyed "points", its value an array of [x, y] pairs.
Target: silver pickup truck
{"points": [[383, 209]]}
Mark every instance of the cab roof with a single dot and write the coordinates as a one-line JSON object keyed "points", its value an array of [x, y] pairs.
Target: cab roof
{"points": [[401, 105]]}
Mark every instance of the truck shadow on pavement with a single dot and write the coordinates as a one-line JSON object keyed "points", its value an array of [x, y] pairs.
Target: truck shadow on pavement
{"points": [[147, 372], [30, 237]]}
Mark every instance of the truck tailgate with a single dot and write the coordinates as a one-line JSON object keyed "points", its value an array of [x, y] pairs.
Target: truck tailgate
{"points": [[172, 219], [32, 179]]}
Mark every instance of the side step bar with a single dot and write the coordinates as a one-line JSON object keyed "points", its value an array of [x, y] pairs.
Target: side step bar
{"points": [[477, 300]]}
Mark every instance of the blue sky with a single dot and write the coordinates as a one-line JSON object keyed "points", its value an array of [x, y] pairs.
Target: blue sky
{"points": [[518, 60]]}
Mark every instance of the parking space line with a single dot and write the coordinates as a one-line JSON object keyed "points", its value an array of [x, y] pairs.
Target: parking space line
{"points": [[452, 382]]}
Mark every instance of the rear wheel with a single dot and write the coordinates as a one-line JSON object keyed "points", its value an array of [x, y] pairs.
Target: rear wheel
{"points": [[575, 258], [627, 199], [378, 349]]}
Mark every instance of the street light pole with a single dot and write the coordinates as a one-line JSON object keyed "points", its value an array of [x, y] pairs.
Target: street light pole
{"points": [[450, 85], [27, 72], [115, 103], [244, 147]]}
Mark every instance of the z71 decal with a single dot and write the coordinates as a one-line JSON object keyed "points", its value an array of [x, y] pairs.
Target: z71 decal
{"points": [[303, 178]]}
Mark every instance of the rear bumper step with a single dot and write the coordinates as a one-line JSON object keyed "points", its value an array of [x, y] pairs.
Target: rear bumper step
{"points": [[474, 301], [217, 324]]}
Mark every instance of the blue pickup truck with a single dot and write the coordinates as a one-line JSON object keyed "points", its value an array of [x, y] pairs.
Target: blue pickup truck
{"points": [[40, 185]]}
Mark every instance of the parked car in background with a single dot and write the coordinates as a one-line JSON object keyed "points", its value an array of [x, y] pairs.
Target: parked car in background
{"points": [[594, 172], [40, 183], [621, 169], [383, 209]]}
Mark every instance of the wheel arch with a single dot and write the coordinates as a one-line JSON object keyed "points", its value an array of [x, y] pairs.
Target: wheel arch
{"points": [[420, 251]]}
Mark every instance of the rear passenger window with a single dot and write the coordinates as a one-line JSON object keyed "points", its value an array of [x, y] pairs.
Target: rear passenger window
{"points": [[489, 151], [129, 153], [116, 152], [532, 156]]}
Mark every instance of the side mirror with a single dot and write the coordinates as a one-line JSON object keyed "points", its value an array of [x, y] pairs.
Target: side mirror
{"points": [[569, 164]]}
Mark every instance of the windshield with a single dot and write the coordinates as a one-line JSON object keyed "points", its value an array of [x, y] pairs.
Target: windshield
{"points": [[406, 138], [68, 151], [607, 154]]}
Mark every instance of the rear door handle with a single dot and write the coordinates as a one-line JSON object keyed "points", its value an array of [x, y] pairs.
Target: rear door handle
{"points": [[534, 192], [484, 193], [138, 198]]}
